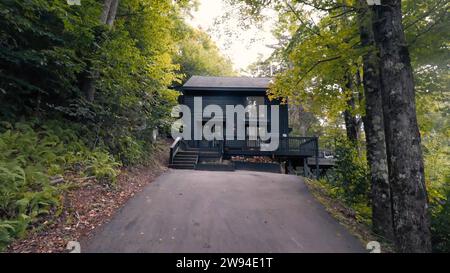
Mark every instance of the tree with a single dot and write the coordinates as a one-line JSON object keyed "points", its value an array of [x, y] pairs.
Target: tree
{"points": [[329, 73], [198, 55], [49, 124], [109, 12], [107, 17], [404, 153], [374, 129]]}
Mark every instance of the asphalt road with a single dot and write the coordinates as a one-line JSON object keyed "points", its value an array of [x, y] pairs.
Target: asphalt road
{"points": [[202, 211]]}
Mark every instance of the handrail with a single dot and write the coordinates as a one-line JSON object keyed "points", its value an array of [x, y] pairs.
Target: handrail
{"points": [[297, 144], [174, 149], [289, 146], [178, 139]]}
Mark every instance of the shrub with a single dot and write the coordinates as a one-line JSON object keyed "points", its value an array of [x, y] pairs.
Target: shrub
{"points": [[29, 155], [440, 226], [350, 175], [102, 165]]}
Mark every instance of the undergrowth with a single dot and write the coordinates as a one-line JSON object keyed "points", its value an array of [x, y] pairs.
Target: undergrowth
{"points": [[32, 159]]}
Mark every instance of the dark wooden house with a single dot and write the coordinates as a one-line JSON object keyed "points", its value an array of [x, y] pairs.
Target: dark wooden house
{"points": [[223, 91]]}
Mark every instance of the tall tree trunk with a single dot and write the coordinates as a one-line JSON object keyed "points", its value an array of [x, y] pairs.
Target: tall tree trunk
{"points": [[350, 119], [88, 83], [106, 10], [112, 13], [351, 126], [406, 170], [302, 120], [374, 129], [107, 17]]}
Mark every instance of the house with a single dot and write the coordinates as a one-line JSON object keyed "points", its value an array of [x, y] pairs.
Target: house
{"points": [[235, 134]]}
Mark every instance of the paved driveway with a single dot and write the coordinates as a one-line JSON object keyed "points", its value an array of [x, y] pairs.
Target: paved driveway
{"points": [[202, 211]]}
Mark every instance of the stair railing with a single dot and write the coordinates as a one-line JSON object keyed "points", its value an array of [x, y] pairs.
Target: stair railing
{"points": [[174, 149]]}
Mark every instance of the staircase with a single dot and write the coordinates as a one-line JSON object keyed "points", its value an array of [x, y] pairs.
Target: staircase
{"points": [[187, 159]]}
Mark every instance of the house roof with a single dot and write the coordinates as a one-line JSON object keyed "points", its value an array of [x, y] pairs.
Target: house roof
{"points": [[226, 83]]}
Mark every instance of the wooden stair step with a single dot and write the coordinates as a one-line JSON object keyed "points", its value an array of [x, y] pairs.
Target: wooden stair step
{"points": [[187, 153], [182, 166], [191, 160], [185, 156]]}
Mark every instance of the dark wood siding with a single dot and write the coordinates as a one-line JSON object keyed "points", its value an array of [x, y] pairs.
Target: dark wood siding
{"points": [[233, 98]]}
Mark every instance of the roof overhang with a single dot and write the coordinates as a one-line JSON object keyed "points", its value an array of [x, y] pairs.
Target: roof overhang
{"points": [[226, 84], [223, 89]]}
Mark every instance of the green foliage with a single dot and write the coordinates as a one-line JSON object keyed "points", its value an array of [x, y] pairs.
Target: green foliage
{"points": [[432, 110], [9, 229], [39, 59], [50, 52], [49, 49], [102, 165], [440, 225], [432, 84], [319, 46], [29, 158], [200, 56], [362, 209], [350, 175]]}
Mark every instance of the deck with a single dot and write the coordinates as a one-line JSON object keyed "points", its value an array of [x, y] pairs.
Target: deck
{"points": [[186, 153], [289, 146]]}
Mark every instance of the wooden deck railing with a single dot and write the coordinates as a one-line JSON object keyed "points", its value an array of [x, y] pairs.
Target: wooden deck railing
{"points": [[292, 147], [305, 146], [302, 146]]}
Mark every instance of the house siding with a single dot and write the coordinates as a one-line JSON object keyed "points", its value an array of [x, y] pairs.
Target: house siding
{"points": [[232, 98]]}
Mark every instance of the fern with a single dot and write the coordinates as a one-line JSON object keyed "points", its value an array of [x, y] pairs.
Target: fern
{"points": [[28, 157]]}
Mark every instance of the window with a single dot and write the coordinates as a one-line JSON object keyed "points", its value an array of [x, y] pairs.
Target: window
{"points": [[254, 102]]}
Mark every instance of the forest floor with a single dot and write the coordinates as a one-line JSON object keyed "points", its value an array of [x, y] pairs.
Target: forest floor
{"points": [[346, 216], [88, 206]]}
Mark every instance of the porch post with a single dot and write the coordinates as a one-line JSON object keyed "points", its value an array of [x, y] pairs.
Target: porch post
{"points": [[317, 157], [305, 166]]}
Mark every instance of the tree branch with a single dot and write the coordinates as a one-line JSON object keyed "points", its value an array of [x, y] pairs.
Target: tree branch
{"points": [[300, 19], [425, 14], [323, 8], [316, 64]]}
